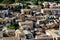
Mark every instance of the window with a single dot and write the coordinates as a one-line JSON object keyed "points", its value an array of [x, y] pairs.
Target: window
{"points": [[25, 12], [29, 12]]}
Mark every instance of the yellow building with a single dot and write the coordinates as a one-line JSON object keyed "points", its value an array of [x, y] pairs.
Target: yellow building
{"points": [[26, 11]]}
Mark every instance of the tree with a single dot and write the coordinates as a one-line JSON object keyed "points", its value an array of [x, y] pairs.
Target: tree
{"points": [[10, 1], [7, 1], [1, 1], [28, 7], [17, 0], [58, 0], [32, 0]]}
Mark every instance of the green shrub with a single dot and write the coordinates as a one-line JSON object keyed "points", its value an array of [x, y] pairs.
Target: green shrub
{"points": [[11, 26]]}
